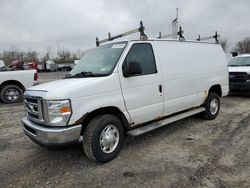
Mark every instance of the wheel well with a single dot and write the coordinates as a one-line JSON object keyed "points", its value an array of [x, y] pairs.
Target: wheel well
{"points": [[216, 89], [12, 82], [105, 110]]}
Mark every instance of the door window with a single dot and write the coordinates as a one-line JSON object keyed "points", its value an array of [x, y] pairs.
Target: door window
{"points": [[143, 54]]}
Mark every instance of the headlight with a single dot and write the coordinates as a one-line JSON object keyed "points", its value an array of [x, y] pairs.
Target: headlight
{"points": [[59, 112]]}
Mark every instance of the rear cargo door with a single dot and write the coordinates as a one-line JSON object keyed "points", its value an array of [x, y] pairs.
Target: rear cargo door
{"points": [[143, 93]]}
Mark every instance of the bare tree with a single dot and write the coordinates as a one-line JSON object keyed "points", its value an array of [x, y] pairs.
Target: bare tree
{"points": [[63, 55], [11, 55], [243, 46], [224, 44], [30, 56], [47, 55]]}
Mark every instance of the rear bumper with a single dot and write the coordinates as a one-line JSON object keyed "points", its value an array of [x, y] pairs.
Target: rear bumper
{"points": [[35, 83], [51, 136], [240, 87]]}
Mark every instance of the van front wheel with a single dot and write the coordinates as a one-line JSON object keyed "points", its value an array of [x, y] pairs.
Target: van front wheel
{"points": [[212, 106], [103, 138]]}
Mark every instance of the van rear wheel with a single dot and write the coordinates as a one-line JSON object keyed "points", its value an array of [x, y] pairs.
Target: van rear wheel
{"points": [[212, 106], [103, 138]]}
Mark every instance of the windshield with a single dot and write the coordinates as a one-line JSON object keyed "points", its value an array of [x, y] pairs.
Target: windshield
{"points": [[240, 61], [98, 62]]}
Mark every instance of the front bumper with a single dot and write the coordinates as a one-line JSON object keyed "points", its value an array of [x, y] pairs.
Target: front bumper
{"points": [[240, 87], [51, 136]]}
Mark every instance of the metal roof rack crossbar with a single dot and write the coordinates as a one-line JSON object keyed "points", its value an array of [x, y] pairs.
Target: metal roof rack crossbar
{"points": [[179, 33], [164, 36], [215, 37], [141, 29]]}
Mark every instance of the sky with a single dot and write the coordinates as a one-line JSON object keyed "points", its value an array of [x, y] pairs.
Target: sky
{"points": [[44, 25]]}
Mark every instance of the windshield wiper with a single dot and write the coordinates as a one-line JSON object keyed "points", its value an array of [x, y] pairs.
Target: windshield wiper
{"points": [[238, 65], [85, 74], [234, 65]]}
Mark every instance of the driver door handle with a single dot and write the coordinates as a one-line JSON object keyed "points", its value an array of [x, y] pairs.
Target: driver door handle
{"points": [[160, 88]]}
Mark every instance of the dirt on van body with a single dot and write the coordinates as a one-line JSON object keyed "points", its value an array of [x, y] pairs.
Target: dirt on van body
{"points": [[189, 153]]}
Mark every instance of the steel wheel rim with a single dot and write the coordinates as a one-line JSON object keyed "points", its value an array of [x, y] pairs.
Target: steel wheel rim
{"points": [[12, 94], [214, 106], [109, 139]]}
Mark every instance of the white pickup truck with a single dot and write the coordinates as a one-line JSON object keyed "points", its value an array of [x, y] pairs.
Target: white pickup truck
{"points": [[14, 83], [239, 74], [127, 87]]}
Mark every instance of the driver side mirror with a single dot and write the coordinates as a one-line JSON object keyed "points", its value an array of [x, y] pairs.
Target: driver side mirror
{"points": [[132, 68]]}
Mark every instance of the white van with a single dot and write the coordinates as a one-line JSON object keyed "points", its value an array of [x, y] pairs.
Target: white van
{"points": [[50, 66], [127, 87]]}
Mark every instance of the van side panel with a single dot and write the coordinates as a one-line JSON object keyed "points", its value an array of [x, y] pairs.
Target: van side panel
{"points": [[189, 70]]}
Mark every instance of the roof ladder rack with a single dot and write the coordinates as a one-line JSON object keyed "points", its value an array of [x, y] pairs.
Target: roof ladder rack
{"points": [[164, 36], [141, 29], [179, 33], [216, 36]]}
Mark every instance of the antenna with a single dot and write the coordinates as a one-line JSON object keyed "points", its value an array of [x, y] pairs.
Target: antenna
{"points": [[141, 29], [177, 13], [175, 25]]}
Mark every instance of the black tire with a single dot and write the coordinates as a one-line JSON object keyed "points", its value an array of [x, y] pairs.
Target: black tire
{"points": [[92, 136], [211, 112], [13, 99]]}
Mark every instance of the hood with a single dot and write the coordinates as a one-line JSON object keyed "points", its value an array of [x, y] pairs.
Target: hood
{"points": [[240, 69], [62, 84], [63, 89], [76, 87]]}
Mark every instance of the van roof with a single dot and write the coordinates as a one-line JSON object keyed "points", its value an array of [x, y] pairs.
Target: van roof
{"points": [[156, 39]]}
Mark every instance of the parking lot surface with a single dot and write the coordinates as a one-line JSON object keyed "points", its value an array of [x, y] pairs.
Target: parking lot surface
{"points": [[189, 153]]}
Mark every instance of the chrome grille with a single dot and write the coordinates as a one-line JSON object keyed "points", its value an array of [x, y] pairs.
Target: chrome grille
{"points": [[35, 109]]}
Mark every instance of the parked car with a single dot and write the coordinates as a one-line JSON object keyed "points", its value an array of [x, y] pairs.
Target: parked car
{"points": [[14, 83], [239, 74], [30, 65], [128, 87], [64, 67], [40, 67], [16, 65], [76, 62]]}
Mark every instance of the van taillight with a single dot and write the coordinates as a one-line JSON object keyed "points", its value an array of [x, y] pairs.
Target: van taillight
{"points": [[35, 76]]}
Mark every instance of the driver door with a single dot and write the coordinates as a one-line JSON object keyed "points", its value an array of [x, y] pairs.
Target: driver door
{"points": [[143, 92]]}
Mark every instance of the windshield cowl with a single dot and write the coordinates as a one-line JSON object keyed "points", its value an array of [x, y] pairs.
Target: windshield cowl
{"points": [[85, 75]]}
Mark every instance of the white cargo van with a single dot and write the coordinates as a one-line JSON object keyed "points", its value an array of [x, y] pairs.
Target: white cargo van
{"points": [[50, 66], [127, 87]]}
